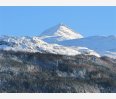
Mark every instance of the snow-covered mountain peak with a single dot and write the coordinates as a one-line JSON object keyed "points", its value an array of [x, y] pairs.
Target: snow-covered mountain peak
{"points": [[60, 32]]}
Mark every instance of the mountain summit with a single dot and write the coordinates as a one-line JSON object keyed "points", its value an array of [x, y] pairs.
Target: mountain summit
{"points": [[59, 32]]}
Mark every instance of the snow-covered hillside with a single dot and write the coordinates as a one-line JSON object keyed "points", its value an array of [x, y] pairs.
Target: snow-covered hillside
{"points": [[34, 44], [101, 44], [60, 39], [59, 32], [63, 35]]}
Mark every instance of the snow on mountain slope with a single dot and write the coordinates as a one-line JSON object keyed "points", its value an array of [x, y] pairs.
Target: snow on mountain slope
{"points": [[86, 51], [100, 44], [94, 42], [110, 54], [34, 44], [59, 32], [62, 35]]}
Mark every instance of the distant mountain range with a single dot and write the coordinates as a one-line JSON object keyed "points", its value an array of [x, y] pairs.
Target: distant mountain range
{"points": [[104, 45], [58, 60], [61, 39]]}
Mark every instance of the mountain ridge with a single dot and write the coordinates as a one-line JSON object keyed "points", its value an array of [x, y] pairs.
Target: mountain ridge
{"points": [[101, 44], [34, 44], [56, 40]]}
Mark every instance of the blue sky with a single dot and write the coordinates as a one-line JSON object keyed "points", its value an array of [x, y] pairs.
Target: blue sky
{"points": [[30, 21]]}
